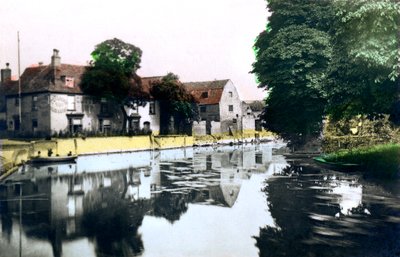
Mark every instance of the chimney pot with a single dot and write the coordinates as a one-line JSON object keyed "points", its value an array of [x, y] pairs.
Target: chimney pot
{"points": [[55, 59], [5, 73]]}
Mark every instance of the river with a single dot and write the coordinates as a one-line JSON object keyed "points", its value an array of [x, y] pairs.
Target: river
{"points": [[228, 201]]}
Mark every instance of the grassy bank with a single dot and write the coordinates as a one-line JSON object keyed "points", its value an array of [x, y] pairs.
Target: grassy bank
{"points": [[381, 161]]}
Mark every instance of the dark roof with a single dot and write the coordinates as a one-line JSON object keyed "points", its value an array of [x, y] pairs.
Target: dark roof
{"points": [[147, 81], [214, 90], [41, 79]]}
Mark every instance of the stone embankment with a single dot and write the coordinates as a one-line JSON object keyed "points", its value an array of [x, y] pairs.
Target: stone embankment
{"points": [[14, 153]]}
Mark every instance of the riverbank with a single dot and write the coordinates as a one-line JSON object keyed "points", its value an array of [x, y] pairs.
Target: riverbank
{"points": [[14, 153], [381, 161]]}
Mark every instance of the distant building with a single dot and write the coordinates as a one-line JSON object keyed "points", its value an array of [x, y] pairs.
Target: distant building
{"points": [[220, 107], [253, 110], [52, 102]]}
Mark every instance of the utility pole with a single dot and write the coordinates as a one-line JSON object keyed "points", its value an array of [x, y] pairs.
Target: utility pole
{"points": [[19, 85]]}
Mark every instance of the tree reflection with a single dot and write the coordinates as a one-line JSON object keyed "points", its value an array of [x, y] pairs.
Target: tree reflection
{"points": [[287, 205], [305, 205], [170, 205], [114, 223]]}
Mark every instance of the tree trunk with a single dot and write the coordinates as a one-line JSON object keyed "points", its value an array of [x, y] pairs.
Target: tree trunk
{"points": [[125, 120]]}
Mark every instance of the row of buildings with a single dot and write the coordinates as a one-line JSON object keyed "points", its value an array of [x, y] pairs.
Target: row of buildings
{"points": [[47, 100]]}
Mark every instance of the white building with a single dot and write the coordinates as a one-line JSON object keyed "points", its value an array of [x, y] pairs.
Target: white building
{"points": [[52, 102], [219, 104]]}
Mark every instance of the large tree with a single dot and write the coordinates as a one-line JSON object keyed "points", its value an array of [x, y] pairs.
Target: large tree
{"points": [[328, 57], [178, 106], [112, 75], [365, 68], [292, 59]]}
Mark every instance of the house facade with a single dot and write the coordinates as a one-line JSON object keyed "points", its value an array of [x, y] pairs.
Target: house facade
{"points": [[220, 106], [51, 102]]}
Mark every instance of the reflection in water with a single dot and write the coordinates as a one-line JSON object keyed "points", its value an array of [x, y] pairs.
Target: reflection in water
{"points": [[97, 206], [195, 202], [329, 214]]}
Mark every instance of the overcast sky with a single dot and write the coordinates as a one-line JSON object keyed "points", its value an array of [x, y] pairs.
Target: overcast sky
{"points": [[198, 40]]}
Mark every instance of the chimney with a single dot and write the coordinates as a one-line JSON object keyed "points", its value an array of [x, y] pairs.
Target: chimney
{"points": [[6, 73], [55, 59]]}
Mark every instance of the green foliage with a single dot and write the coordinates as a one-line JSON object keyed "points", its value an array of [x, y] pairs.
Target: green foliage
{"points": [[360, 131], [115, 53], [112, 73], [369, 31], [292, 60], [338, 58], [175, 102], [364, 70], [378, 161]]}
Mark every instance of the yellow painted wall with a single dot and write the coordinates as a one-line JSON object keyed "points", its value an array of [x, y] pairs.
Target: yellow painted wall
{"points": [[164, 142], [14, 154]]}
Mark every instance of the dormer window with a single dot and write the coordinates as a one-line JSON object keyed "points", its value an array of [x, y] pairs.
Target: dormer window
{"points": [[68, 81], [204, 95]]}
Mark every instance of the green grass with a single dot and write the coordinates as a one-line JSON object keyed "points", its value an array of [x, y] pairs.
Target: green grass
{"points": [[381, 161]]}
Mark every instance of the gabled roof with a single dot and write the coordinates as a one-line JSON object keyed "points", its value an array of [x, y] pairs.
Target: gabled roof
{"points": [[213, 88], [41, 79]]}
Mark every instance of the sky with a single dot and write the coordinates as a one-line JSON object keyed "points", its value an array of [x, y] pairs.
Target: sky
{"points": [[199, 40]]}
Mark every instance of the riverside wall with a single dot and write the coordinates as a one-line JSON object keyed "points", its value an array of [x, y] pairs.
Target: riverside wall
{"points": [[13, 153]]}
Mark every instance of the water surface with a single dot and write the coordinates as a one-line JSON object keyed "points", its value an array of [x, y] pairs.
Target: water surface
{"points": [[226, 201]]}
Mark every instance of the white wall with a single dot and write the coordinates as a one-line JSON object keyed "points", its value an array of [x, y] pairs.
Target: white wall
{"points": [[226, 100], [154, 119], [199, 128]]}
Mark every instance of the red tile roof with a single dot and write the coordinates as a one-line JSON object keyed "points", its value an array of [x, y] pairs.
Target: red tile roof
{"points": [[41, 79], [214, 90]]}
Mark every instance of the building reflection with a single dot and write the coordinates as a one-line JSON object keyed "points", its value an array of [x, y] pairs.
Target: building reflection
{"points": [[67, 202]]}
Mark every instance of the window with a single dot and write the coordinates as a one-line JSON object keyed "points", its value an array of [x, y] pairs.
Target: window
{"points": [[234, 120], [203, 108], [75, 125], [71, 103], [230, 107], [146, 127], [16, 123], [34, 125], [204, 95], [152, 108], [34, 103], [68, 81], [103, 105], [230, 94], [105, 125]]}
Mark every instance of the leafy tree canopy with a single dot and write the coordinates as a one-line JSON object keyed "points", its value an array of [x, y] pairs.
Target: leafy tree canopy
{"points": [[336, 57], [112, 73], [365, 69], [292, 60], [175, 102]]}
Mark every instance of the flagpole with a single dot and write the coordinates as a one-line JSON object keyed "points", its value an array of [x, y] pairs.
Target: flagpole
{"points": [[19, 84]]}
